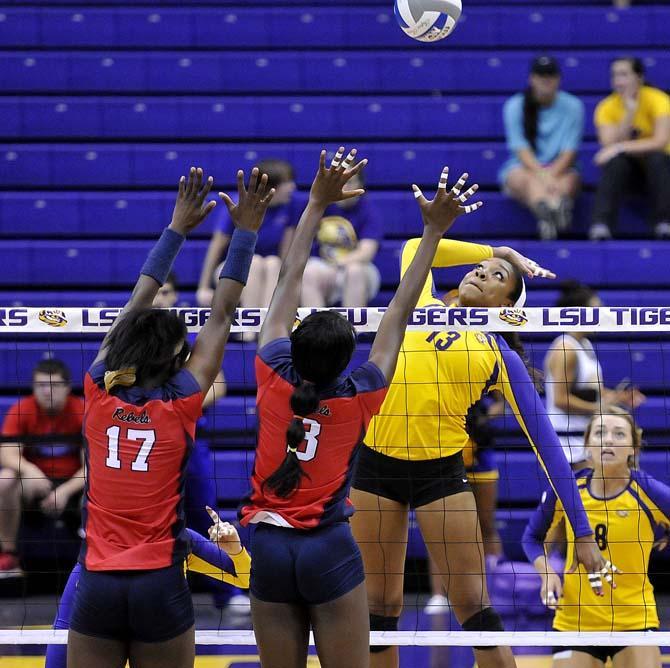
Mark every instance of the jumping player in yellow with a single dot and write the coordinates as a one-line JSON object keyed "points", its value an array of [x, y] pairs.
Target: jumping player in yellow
{"points": [[413, 457], [625, 506]]}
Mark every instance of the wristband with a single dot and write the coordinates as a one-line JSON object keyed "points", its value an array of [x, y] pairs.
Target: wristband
{"points": [[240, 253], [159, 261]]}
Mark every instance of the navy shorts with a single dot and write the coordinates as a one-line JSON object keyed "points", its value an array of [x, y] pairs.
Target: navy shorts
{"points": [[305, 567], [143, 606]]}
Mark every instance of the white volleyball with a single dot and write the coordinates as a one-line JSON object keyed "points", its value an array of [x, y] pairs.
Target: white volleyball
{"points": [[428, 20]]}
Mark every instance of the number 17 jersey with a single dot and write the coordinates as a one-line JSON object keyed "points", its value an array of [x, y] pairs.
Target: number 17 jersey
{"points": [[333, 436], [137, 443]]}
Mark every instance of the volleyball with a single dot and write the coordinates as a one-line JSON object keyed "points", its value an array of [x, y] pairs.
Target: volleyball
{"points": [[427, 20]]}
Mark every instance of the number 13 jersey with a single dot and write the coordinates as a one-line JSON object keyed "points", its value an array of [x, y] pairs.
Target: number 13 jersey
{"points": [[137, 445], [327, 455]]}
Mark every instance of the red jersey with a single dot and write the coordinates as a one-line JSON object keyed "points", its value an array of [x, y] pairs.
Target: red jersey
{"points": [[333, 437], [137, 445], [51, 442]]}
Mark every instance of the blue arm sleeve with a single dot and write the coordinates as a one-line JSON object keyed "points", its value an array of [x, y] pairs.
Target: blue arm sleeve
{"points": [[535, 532], [657, 492], [210, 552], [513, 120], [531, 414]]}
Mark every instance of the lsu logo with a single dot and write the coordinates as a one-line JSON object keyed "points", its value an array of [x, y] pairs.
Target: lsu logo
{"points": [[513, 316], [52, 317]]}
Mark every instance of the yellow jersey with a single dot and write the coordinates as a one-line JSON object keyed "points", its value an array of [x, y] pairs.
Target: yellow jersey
{"points": [[652, 104], [624, 530], [440, 375]]}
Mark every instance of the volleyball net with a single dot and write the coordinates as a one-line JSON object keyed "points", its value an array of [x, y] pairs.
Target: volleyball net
{"points": [[632, 346]]}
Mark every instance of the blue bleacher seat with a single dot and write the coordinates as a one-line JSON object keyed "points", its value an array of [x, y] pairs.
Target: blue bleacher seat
{"points": [[77, 26], [352, 71], [140, 117], [286, 27], [170, 28], [159, 165]]}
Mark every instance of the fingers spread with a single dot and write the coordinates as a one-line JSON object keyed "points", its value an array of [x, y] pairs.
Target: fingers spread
{"points": [[253, 180], [190, 182], [472, 207], [213, 514], [268, 198], [227, 201], [240, 184], [349, 160], [357, 168], [444, 177], [468, 193], [456, 190], [349, 194], [205, 191], [182, 186], [322, 161], [419, 195], [337, 158]]}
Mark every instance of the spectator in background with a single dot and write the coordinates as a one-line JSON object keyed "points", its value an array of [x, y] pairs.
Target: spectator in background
{"points": [[543, 128], [274, 238], [633, 125], [341, 268], [574, 379], [41, 459]]}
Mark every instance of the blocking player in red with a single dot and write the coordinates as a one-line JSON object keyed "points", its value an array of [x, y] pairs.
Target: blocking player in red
{"points": [[41, 463], [307, 569], [144, 394]]}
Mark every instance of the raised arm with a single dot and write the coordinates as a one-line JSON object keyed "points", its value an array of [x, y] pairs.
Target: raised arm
{"points": [[327, 188], [438, 216], [215, 250], [520, 393], [247, 216], [190, 210]]}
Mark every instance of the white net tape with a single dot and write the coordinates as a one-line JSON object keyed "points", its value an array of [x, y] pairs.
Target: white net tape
{"points": [[50, 320]]}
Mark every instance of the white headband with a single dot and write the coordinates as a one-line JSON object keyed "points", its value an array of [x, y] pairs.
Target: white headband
{"points": [[521, 302]]}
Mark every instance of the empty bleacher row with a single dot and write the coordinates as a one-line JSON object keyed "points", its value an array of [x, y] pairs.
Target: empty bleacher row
{"points": [[281, 72], [282, 27], [270, 118], [116, 263]]}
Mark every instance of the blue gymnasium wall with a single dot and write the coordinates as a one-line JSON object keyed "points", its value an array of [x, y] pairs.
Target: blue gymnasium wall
{"points": [[103, 107]]}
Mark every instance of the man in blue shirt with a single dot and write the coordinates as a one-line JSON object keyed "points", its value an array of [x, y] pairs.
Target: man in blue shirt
{"points": [[341, 268], [543, 128]]}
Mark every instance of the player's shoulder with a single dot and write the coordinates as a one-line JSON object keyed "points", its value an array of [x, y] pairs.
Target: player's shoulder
{"points": [[654, 97], [646, 481], [368, 377], [276, 356]]}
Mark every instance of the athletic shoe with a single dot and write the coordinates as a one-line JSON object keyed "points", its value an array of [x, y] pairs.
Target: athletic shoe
{"points": [[599, 232], [239, 604], [9, 566], [437, 604], [662, 230]]}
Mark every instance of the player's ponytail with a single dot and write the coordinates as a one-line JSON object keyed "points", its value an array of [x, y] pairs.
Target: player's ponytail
{"points": [[285, 480]]}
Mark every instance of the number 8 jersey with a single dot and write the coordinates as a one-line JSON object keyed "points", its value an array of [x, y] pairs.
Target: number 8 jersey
{"points": [[328, 453], [137, 445]]}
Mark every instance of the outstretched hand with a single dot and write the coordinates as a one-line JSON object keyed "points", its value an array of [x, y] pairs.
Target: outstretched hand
{"points": [[190, 209], [252, 202], [329, 182], [441, 212], [224, 534], [588, 554]]}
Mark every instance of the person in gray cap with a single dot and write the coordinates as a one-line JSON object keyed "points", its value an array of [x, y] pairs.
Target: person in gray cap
{"points": [[543, 129]]}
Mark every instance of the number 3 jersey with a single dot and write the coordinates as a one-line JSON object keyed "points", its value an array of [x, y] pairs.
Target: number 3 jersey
{"points": [[137, 445], [625, 527], [327, 455]]}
